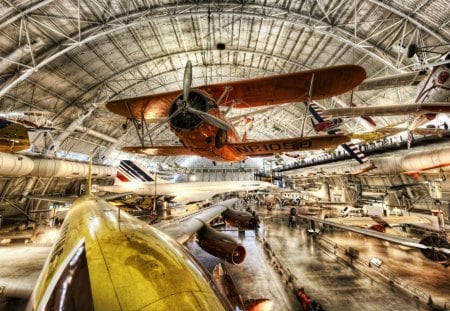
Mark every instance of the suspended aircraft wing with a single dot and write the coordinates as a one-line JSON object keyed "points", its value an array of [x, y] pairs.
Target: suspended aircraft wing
{"points": [[273, 90], [270, 147], [13, 136], [403, 79], [253, 148], [160, 150], [388, 110], [420, 131]]}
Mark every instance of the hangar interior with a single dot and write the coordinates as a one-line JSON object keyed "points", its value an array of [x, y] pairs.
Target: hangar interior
{"points": [[61, 61]]}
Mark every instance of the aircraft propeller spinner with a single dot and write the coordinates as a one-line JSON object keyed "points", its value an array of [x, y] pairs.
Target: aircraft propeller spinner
{"points": [[185, 106]]}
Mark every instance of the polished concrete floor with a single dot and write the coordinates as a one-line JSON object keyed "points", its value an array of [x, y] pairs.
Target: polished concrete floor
{"points": [[333, 284], [403, 265]]}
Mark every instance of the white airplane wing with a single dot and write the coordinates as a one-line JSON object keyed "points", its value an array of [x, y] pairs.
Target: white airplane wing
{"points": [[388, 110], [403, 79], [183, 228]]}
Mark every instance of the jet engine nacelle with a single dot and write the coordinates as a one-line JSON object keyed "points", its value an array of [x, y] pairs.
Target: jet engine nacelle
{"points": [[241, 220], [221, 245]]}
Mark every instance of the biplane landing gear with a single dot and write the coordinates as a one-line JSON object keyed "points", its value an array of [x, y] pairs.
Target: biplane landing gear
{"points": [[221, 138]]}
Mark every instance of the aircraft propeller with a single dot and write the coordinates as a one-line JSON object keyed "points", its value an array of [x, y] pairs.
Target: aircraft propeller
{"points": [[183, 106]]}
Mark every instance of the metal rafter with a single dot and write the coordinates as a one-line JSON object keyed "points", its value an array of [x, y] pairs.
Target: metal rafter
{"points": [[90, 34]]}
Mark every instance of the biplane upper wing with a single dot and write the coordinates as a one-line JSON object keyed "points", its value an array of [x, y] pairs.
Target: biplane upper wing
{"points": [[389, 110], [280, 89], [270, 147], [160, 150]]}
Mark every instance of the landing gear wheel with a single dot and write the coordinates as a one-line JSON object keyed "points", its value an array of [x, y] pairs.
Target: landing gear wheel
{"points": [[221, 138], [434, 242]]}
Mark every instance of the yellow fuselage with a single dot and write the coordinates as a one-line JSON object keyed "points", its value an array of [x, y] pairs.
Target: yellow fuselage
{"points": [[101, 262]]}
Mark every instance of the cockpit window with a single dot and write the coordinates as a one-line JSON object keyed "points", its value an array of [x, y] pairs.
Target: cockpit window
{"points": [[73, 289]]}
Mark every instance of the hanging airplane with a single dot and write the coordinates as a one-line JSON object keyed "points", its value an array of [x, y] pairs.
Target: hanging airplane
{"points": [[432, 98], [105, 259], [13, 136], [33, 121], [195, 118], [132, 178], [331, 126]]}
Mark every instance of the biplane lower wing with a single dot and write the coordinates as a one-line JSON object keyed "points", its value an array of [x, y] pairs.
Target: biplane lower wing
{"points": [[293, 87], [270, 147], [160, 150]]}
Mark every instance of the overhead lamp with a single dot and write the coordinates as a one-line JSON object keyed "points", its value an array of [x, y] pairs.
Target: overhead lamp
{"points": [[220, 46]]}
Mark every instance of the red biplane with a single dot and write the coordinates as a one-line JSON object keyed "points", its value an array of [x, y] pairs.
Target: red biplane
{"points": [[194, 114]]}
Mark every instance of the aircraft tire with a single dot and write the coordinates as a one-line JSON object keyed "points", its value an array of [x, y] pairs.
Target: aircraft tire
{"points": [[221, 138]]}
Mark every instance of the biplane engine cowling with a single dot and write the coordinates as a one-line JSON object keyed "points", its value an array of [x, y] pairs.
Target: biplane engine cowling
{"points": [[221, 245], [187, 120]]}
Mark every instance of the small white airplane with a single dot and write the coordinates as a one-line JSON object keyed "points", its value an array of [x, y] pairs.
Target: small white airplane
{"points": [[132, 178]]}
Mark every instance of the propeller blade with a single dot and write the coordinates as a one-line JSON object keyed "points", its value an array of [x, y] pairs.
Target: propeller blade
{"points": [[157, 126], [219, 123], [187, 81]]}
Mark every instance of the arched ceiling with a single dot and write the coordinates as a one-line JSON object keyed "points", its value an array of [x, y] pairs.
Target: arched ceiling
{"points": [[62, 56]]}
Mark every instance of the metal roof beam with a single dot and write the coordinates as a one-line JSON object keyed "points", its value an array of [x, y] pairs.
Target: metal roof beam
{"points": [[98, 31]]}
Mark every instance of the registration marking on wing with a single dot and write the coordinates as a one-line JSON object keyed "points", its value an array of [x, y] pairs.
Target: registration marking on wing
{"points": [[291, 144]]}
